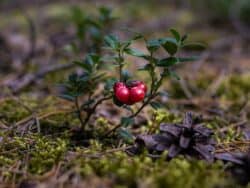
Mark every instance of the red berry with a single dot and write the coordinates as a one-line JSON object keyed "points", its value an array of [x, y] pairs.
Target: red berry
{"points": [[142, 86], [139, 84], [131, 93], [136, 94], [122, 94], [118, 85]]}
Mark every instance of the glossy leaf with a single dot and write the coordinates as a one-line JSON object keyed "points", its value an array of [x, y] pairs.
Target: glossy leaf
{"points": [[111, 41], [125, 135], [183, 38], [156, 105], [167, 62], [187, 59], [134, 52], [147, 67], [194, 46], [176, 34], [174, 75], [86, 66], [174, 150], [67, 97], [126, 121], [109, 83], [153, 45], [169, 44]]}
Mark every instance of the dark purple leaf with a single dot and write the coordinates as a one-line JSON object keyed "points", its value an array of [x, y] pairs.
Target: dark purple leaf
{"points": [[203, 130], [229, 157], [204, 151], [171, 128], [146, 140], [164, 138], [188, 120], [173, 151], [247, 134], [161, 147], [204, 140], [136, 149], [189, 138], [184, 141]]}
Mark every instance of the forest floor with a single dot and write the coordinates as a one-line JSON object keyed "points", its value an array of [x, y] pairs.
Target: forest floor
{"points": [[37, 146]]}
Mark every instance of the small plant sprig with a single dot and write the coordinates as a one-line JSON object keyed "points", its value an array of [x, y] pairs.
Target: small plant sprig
{"points": [[85, 84], [154, 65], [91, 29], [124, 90]]}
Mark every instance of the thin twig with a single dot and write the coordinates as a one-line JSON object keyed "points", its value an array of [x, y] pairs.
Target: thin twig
{"points": [[224, 129], [98, 155], [32, 39], [91, 111], [78, 108]]}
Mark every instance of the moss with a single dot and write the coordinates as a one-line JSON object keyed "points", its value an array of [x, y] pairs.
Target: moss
{"points": [[235, 87], [43, 152], [143, 171], [11, 111], [46, 154]]}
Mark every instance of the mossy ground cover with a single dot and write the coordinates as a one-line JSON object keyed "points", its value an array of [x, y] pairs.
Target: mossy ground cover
{"points": [[39, 141]]}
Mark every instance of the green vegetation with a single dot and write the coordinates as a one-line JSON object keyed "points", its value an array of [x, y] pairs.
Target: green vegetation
{"points": [[90, 139]]}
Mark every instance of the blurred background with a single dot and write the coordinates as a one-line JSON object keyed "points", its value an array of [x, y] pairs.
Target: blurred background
{"points": [[38, 39]]}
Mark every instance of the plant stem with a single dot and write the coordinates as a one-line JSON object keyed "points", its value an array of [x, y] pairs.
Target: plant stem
{"points": [[120, 65], [153, 90], [91, 111], [142, 106], [120, 72], [79, 113]]}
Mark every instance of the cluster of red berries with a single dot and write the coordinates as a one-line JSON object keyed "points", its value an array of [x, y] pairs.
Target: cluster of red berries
{"points": [[129, 93]]}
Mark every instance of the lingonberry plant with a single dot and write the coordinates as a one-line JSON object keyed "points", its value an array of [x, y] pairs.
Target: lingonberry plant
{"points": [[124, 90], [91, 29], [129, 92]]}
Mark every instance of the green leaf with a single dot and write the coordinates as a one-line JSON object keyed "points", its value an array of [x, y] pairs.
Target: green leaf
{"points": [[183, 38], [125, 135], [126, 44], [126, 75], [88, 102], [137, 36], [72, 47], [92, 59], [176, 34], [99, 77], [95, 33], [134, 52], [86, 66], [110, 83], [187, 59], [108, 59], [194, 46], [147, 67], [111, 41], [117, 102], [126, 121], [77, 15], [174, 75], [167, 62], [105, 11], [169, 44], [84, 78], [67, 97], [163, 94], [153, 45], [73, 77], [156, 105]]}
